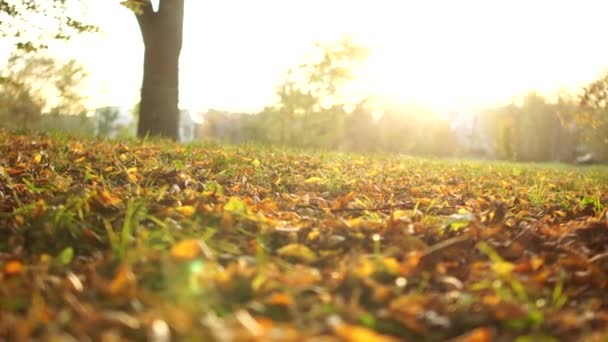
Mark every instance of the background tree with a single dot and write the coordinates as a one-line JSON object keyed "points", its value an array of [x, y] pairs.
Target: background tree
{"points": [[360, 130], [106, 120], [592, 117], [22, 89], [67, 80], [534, 130], [161, 32], [32, 84], [310, 108], [19, 107]]}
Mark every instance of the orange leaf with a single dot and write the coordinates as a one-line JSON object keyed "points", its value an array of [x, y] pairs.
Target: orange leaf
{"points": [[107, 199], [13, 267], [280, 299], [477, 335], [354, 333], [124, 283], [187, 250], [343, 201]]}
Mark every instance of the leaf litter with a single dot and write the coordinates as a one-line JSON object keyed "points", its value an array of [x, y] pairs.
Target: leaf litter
{"points": [[117, 241]]}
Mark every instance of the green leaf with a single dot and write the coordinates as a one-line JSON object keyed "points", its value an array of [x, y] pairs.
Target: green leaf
{"points": [[237, 206], [66, 256]]}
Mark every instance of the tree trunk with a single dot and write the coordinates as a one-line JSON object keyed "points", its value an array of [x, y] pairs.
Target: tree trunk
{"points": [[162, 35]]}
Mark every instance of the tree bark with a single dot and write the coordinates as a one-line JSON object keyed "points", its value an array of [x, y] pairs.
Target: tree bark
{"points": [[162, 36]]}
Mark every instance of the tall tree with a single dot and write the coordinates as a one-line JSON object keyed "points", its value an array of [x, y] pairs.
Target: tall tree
{"points": [[161, 32]]}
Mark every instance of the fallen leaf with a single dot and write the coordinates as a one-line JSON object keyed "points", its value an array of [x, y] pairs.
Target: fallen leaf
{"points": [[187, 250], [298, 252], [186, 210], [482, 334], [13, 267], [355, 333], [280, 299], [124, 283], [313, 180]]}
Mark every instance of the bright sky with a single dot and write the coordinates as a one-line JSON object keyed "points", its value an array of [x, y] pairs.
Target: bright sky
{"points": [[443, 54]]}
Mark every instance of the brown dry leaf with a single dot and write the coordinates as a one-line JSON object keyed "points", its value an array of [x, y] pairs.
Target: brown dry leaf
{"points": [[107, 199], [408, 308], [62, 183]]}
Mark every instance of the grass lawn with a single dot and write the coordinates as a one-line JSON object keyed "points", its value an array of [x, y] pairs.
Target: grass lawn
{"points": [[160, 241]]}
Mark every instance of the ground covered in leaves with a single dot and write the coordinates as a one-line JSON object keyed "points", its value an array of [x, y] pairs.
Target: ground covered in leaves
{"points": [[152, 240]]}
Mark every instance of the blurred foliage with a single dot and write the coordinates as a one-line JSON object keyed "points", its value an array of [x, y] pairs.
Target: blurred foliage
{"points": [[312, 111], [32, 24], [35, 84], [592, 117], [106, 120], [533, 130]]}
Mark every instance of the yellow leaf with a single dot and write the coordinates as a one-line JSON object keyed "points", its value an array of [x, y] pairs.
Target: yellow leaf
{"points": [[502, 268], [397, 214], [186, 210], [392, 265], [364, 268], [354, 222], [132, 174], [186, 250], [298, 252], [313, 180], [37, 158], [536, 263]]}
